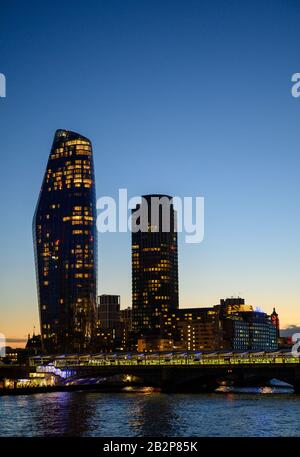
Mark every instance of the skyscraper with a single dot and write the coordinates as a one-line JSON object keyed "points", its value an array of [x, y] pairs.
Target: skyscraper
{"points": [[154, 267], [65, 245]]}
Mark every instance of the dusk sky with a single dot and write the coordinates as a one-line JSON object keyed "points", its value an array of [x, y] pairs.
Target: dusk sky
{"points": [[187, 98]]}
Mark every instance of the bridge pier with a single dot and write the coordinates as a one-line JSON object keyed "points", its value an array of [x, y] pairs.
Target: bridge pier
{"points": [[167, 381], [297, 388], [296, 383]]}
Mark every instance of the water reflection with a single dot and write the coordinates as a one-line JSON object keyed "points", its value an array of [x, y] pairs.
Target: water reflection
{"points": [[67, 412], [152, 414], [155, 409]]}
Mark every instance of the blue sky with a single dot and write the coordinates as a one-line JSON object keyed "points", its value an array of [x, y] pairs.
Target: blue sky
{"points": [[179, 97]]}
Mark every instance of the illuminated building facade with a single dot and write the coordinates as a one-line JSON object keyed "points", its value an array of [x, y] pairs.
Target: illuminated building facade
{"points": [[65, 245], [154, 268], [109, 332], [114, 325], [242, 328], [126, 326], [198, 328], [249, 331], [233, 305], [151, 343], [231, 325]]}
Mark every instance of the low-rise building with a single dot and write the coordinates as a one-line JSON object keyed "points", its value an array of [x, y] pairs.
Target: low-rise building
{"points": [[231, 324], [150, 343]]}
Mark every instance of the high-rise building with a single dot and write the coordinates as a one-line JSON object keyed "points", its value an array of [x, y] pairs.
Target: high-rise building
{"points": [[109, 333], [126, 317], [126, 327], [109, 311], [65, 245], [154, 267]]}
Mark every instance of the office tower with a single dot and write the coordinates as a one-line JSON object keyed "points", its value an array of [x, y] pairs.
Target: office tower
{"points": [[154, 267], [109, 311], [109, 330], [65, 245], [126, 317], [242, 328], [126, 328], [249, 331]]}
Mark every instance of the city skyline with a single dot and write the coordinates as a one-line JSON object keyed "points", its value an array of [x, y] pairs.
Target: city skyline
{"points": [[165, 114]]}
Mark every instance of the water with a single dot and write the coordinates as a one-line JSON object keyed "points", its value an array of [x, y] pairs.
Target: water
{"points": [[149, 414]]}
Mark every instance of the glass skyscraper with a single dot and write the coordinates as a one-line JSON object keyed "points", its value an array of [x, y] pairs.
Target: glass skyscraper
{"points": [[154, 267], [65, 245]]}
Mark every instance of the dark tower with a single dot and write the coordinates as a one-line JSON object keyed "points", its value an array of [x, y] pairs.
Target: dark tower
{"points": [[275, 322], [154, 267], [65, 245]]}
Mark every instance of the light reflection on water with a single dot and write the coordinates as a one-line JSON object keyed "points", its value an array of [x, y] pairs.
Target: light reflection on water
{"points": [[150, 414], [255, 390]]}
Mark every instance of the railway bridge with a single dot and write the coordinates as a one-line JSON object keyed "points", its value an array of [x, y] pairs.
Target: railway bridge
{"points": [[177, 372]]}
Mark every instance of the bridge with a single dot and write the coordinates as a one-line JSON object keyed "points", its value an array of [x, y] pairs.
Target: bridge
{"points": [[178, 371]]}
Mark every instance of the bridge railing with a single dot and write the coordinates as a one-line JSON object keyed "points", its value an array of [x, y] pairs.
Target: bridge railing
{"points": [[175, 358]]}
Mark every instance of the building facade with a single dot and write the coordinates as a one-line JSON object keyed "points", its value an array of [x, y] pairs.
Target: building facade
{"points": [[243, 328], [276, 323], [154, 267], [114, 325], [109, 311], [109, 332], [197, 328], [249, 331], [126, 327], [65, 246], [231, 325]]}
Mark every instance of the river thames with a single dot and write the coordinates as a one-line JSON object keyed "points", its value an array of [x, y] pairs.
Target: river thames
{"points": [[149, 414]]}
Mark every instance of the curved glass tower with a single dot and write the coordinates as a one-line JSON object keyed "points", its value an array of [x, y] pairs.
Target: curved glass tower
{"points": [[65, 245]]}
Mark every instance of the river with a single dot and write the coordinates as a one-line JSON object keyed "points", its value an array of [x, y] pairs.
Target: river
{"points": [[149, 414]]}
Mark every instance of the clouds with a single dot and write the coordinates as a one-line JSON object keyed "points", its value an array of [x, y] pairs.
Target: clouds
{"points": [[290, 330], [16, 340]]}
